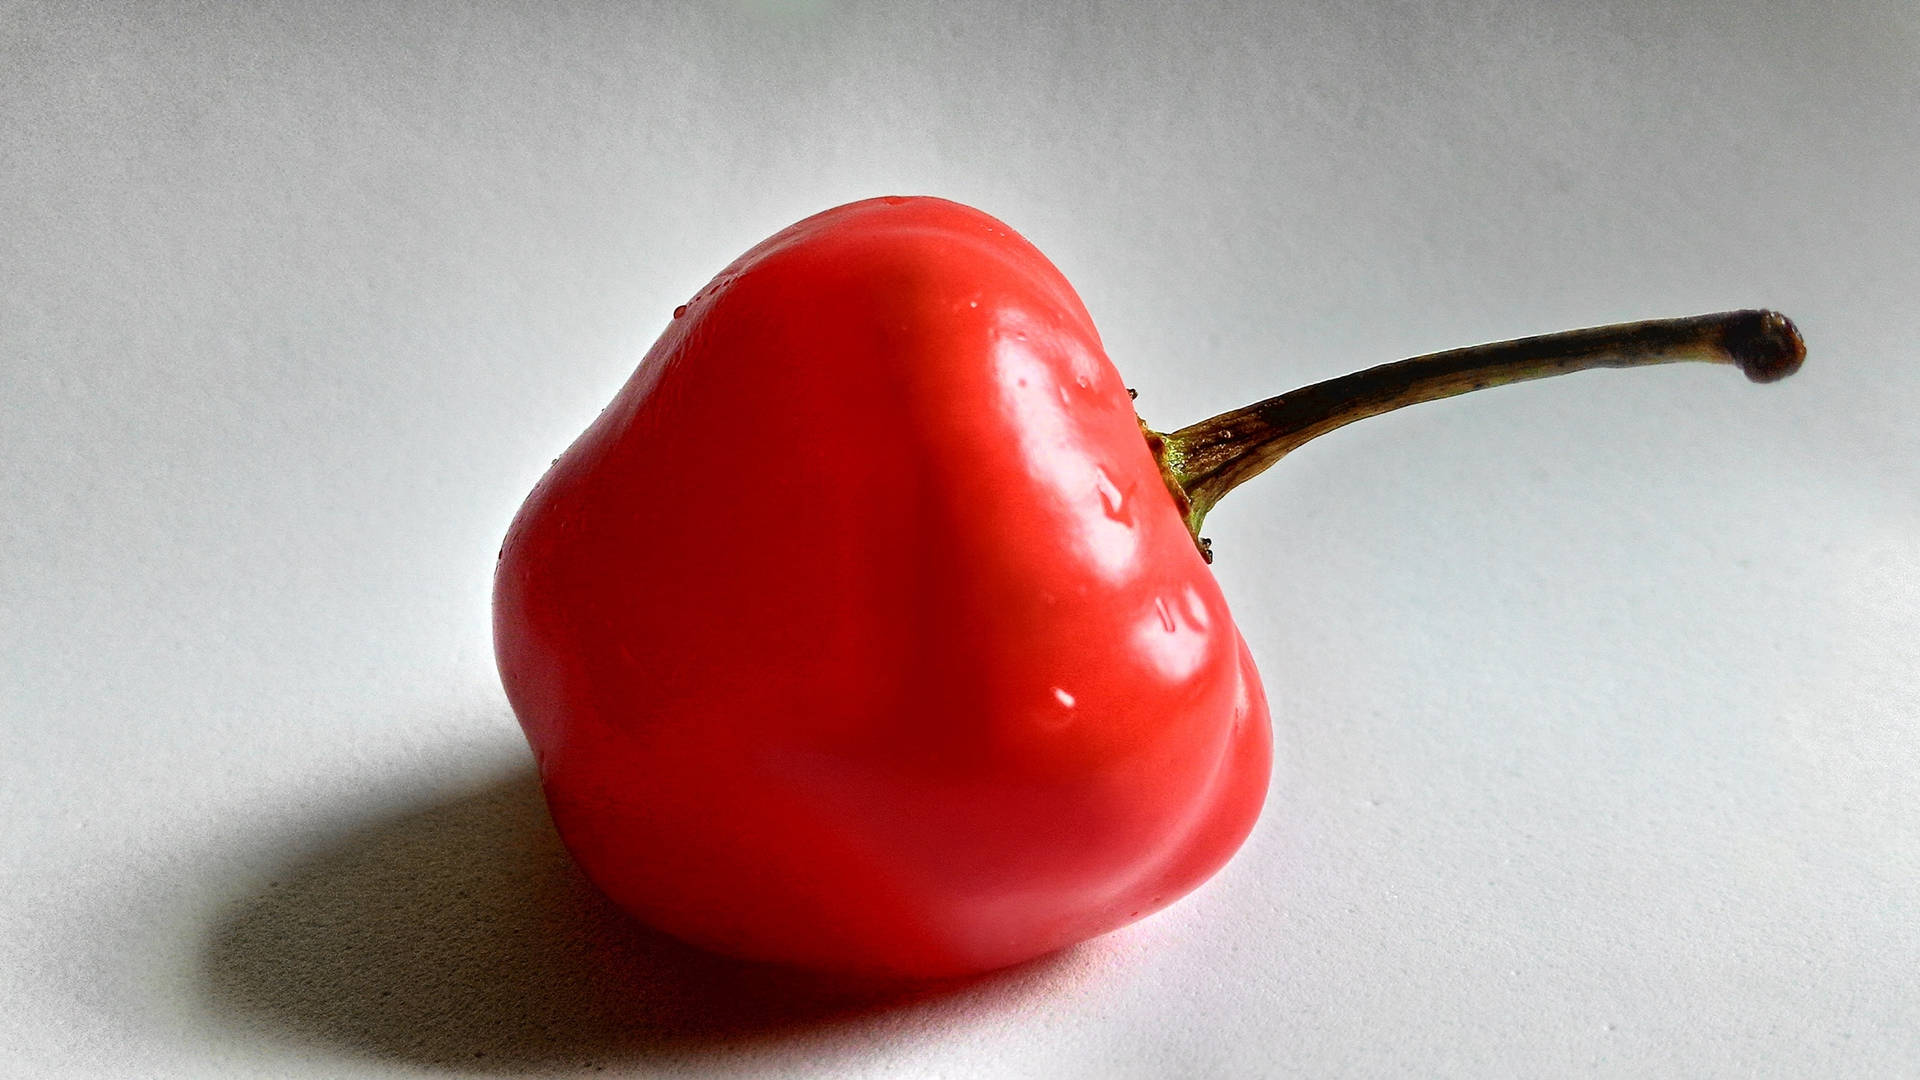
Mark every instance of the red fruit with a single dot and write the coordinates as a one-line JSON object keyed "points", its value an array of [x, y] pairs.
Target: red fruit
{"points": [[866, 630], [861, 631]]}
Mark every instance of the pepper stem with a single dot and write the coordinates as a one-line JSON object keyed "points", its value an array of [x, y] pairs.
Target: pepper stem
{"points": [[1204, 461]]}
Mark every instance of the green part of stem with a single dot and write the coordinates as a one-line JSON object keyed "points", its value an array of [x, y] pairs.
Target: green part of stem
{"points": [[1204, 461]]}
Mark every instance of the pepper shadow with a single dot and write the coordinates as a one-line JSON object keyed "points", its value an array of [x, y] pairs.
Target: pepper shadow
{"points": [[459, 935]]}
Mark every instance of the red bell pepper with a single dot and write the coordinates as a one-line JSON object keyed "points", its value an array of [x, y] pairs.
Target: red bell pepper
{"points": [[867, 629]]}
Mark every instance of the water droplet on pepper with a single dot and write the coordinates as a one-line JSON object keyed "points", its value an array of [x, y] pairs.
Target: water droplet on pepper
{"points": [[1112, 500]]}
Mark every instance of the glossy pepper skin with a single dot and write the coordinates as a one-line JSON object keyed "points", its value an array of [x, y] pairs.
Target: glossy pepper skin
{"points": [[861, 631]]}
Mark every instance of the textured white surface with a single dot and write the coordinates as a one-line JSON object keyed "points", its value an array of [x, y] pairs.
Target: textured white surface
{"points": [[1598, 716]]}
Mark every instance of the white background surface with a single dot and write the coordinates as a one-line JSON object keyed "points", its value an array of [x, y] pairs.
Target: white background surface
{"points": [[1597, 713]]}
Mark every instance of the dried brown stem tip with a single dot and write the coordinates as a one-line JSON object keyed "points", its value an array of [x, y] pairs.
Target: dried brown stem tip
{"points": [[1765, 344]]}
